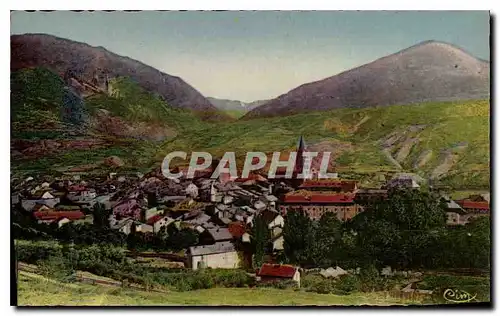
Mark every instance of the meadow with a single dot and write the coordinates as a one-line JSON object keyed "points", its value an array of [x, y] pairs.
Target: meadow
{"points": [[36, 290]]}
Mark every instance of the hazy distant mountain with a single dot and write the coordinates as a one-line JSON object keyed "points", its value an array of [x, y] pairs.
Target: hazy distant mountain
{"points": [[429, 71], [91, 64], [232, 106]]}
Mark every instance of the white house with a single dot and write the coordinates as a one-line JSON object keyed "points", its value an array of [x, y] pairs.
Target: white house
{"points": [[219, 255], [161, 222], [63, 221], [192, 190], [278, 221], [151, 212], [278, 243], [47, 195]]}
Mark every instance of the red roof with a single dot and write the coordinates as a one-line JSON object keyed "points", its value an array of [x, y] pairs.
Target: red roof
{"points": [[76, 188], [318, 198], [277, 270], [50, 215], [467, 204], [153, 219], [345, 185], [236, 229]]}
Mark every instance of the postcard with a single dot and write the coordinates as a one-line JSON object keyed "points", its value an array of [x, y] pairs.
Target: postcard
{"points": [[250, 158]]}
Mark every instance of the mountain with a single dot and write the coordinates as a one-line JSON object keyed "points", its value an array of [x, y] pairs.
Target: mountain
{"points": [[94, 65], [235, 108], [429, 71]]}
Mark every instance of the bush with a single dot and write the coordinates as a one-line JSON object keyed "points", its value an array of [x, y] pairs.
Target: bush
{"points": [[57, 268], [279, 284], [31, 252], [322, 287], [231, 278], [347, 284]]}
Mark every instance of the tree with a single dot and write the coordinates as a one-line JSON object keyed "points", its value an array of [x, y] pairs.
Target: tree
{"points": [[298, 237], [132, 238], [327, 236], [260, 238], [101, 216], [183, 239], [398, 231]]}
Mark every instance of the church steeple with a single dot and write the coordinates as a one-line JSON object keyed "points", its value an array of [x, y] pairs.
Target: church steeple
{"points": [[301, 146], [299, 161]]}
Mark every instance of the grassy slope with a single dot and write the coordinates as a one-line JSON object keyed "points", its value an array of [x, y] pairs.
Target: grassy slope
{"points": [[37, 106], [446, 124], [37, 290]]}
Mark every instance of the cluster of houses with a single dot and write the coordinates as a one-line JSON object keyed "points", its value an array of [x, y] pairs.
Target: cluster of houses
{"points": [[221, 210]]}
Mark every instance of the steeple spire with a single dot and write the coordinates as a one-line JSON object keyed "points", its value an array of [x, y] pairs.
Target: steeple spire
{"points": [[301, 146], [299, 160]]}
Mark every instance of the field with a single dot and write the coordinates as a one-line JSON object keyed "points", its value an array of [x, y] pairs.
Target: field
{"points": [[36, 290]]}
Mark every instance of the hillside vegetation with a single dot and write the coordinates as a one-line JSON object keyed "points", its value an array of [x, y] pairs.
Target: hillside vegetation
{"points": [[49, 118], [444, 142], [447, 142]]}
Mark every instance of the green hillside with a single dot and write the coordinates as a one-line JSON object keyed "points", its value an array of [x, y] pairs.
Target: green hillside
{"points": [[447, 142], [131, 121]]}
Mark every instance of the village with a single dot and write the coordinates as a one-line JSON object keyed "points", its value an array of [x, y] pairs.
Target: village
{"points": [[220, 211]]}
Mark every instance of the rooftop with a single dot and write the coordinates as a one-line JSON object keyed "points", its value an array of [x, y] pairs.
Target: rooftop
{"points": [[219, 247]]}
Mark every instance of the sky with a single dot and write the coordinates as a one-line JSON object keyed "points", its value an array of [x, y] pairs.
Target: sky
{"points": [[256, 55]]}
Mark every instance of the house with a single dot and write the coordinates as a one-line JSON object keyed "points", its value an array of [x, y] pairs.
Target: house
{"points": [[200, 219], [454, 212], [471, 206], [366, 197], [57, 215], [47, 196], [192, 190], [219, 255], [278, 272], [215, 195], [28, 205], [330, 185], [41, 207], [159, 221], [317, 203], [128, 208], [104, 200], [125, 225], [218, 234], [237, 229], [150, 213], [15, 199], [277, 242], [273, 219], [63, 221], [403, 182]]}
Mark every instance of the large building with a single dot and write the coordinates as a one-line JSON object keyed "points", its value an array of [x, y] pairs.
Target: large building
{"points": [[317, 197]]}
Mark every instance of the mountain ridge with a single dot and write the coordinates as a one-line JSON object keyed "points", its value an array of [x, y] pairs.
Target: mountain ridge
{"points": [[90, 62], [427, 71]]}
